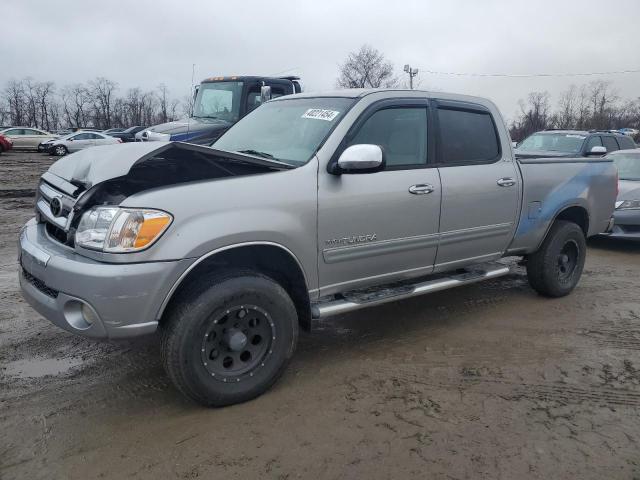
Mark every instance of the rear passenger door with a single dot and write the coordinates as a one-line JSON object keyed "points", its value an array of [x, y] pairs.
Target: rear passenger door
{"points": [[374, 228], [99, 139], [480, 186], [80, 142]]}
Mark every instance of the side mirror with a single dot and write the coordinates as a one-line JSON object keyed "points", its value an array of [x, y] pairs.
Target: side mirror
{"points": [[364, 158], [265, 93], [514, 144], [597, 150]]}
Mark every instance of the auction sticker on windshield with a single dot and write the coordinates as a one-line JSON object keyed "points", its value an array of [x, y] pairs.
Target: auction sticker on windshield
{"points": [[320, 114]]}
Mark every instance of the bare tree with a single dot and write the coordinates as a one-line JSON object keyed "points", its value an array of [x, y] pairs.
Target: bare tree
{"points": [[566, 115], [102, 94], [366, 68], [76, 104], [16, 100], [163, 103]]}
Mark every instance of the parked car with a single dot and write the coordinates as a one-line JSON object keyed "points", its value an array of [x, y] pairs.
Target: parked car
{"points": [[128, 135], [627, 209], [24, 138], [78, 141], [572, 143], [310, 206], [632, 132], [5, 143]]}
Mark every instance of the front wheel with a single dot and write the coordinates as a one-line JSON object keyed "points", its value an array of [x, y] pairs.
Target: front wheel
{"points": [[229, 337], [60, 150], [555, 269]]}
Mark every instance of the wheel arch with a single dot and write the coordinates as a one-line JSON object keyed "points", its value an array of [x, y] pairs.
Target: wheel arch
{"points": [[577, 214], [269, 258]]}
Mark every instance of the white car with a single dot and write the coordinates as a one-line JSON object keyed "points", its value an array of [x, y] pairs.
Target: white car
{"points": [[26, 138], [78, 141]]}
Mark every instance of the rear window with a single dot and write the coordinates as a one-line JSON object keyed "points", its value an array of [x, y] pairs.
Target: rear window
{"points": [[610, 144], [467, 137], [625, 143]]}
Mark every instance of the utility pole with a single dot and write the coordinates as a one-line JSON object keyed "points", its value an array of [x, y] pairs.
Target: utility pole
{"points": [[412, 73]]}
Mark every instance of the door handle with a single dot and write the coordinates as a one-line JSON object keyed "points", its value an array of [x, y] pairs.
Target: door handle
{"points": [[506, 182], [421, 189]]}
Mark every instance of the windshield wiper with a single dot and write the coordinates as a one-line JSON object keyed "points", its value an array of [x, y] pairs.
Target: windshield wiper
{"points": [[258, 153], [204, 116], [268, 156]]}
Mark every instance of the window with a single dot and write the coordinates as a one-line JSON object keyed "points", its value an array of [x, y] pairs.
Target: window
{"points": [[289, 130], [593, 142], [14, 131], [401, 132], [218, 100], [625, 143], [95, 136], [610, 144], [253, 96], [82, 136], [467, 136]]}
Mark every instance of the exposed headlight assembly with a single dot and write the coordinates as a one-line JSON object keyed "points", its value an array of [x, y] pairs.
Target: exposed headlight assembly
{"points": [[627, 204], [121, 230]]}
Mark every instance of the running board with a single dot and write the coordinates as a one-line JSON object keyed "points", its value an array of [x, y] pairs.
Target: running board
{"points": [[357, 299]]}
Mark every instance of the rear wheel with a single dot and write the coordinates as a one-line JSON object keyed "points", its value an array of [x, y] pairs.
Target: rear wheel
{"points": [[555, 269], [229, 337]]}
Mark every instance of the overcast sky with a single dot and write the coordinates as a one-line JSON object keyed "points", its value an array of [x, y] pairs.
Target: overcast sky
{"points": [[145, 43]]}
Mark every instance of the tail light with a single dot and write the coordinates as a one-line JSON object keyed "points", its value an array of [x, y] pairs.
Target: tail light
{"points": [[119, 140]]}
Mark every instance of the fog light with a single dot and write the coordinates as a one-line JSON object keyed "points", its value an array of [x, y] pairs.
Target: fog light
{"points": [[88, 314]]}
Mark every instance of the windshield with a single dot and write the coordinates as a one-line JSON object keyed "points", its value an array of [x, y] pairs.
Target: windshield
{"points": [[553, 142], [628, 165], [288, 130], [218, 100]]}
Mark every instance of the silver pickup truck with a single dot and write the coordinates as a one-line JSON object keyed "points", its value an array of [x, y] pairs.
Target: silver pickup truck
{"points": [[312, 205]]}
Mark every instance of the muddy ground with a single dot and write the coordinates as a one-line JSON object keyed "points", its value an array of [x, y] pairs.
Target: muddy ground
{"points": [[487, 381]]}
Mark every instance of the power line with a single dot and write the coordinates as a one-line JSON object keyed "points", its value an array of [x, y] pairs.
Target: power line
{"points": [[529, 75]]}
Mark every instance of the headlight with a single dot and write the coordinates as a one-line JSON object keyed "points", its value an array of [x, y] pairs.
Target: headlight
{"points": [[627, 204], [118, 230]]}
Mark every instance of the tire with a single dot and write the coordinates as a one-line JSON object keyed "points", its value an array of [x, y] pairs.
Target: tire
{"points": [[555, 269], [59, 150], [203, 352]]}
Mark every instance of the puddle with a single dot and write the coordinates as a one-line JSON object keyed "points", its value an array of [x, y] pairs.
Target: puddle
{"points": [[40, 367]]}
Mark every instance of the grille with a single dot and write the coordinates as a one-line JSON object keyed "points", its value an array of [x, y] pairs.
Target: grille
{"points": [[39, 284], [630, 228], [54, 207]]}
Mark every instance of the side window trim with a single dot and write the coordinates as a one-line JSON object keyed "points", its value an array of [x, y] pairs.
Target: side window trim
{"points": [[402, 102], [464, 107]]}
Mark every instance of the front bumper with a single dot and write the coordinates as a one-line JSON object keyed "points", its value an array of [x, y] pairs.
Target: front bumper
{"points": [[90, 298], [626, 224]]}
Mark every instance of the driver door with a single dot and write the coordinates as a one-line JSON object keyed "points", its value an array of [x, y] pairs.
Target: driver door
{"points": [[372, 228]]}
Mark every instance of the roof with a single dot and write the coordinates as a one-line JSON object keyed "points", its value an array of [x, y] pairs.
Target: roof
{"points": [[239, 78], [362, 92], [579, 132]]}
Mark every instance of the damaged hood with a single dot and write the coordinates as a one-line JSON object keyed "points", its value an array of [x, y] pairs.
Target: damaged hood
{"points": [[95, 165]]}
